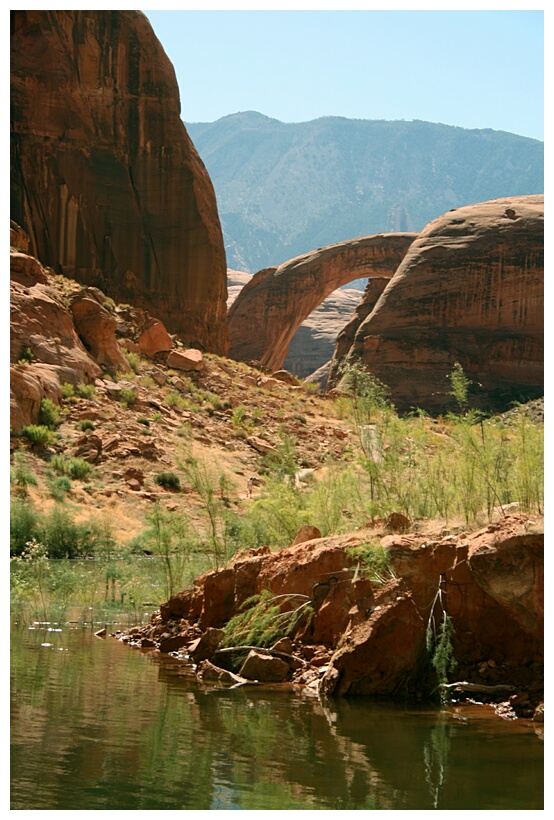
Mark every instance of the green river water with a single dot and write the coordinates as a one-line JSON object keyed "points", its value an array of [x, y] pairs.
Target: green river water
{"points": [[98, 725]]}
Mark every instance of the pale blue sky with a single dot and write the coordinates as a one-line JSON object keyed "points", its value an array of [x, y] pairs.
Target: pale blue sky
{"points": [[474, 69]]}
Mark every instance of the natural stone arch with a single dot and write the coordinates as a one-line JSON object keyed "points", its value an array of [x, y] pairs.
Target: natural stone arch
{"points": [[269, 309]]}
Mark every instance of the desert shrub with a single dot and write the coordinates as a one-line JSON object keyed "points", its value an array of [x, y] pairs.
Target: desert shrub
{"points": [[127, 396], [84, 425], [312, 388], [460, 385], [49, 414], [64, 538], [168, 480], [373, 561], [77, 468], [68, 390], [59, 487], [23, 525], [133, 359], [74, 467], [39, 434], [85, 391], [26, 355], [21, 476]]}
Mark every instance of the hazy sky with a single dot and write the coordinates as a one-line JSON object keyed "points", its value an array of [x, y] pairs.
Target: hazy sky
{"points": [[475, 69]]}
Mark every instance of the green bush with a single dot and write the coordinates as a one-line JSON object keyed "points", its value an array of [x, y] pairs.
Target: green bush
{"points": [[127, 396], [39, 434], [59, 487], [63, 538], [49, 414], [73, 467], [169, 481], [85, 391], [26, 355], [77, 468], [68, 390], [21, 476], [23, 525], [84, 424], [133, 359]]}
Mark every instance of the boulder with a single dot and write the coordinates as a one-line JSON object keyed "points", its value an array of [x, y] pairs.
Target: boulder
{"points": [[154, 339], [306, 533], [186, 360], [95, 326], [205, 647], [264, 668], [380, 655], [213, 674], [508, 564], [173, 644]]}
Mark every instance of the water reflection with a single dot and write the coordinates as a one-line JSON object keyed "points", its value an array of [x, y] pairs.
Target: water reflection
{"points": [[109, 727]]}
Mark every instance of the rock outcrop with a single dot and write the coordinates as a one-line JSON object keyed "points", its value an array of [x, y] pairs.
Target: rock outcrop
{"points": [[104, 177], [265, 316], [469, 290], [368, 637], [45, 349]]}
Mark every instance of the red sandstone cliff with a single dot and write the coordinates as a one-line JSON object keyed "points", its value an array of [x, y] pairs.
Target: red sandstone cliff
{"points": [[104, 177], [470, 289]]}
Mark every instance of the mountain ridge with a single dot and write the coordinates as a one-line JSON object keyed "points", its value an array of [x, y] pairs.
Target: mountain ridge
{"points": [[284, 189]]}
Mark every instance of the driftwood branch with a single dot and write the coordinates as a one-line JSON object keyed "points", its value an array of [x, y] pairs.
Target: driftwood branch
{"points": [[275, 653], [477, 687]]}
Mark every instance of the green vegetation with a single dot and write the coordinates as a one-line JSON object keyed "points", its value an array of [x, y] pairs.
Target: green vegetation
{"points": [[26, 356], [39, 435], [21, 476], [266, 618], [57, 531], [133, 359], [373, 561], [84, 425], [49, 414], [85, 391], [127, 396], [169, 481], [73, 467], [438, 638]]}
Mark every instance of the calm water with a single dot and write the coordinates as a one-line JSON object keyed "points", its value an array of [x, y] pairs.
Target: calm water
{"points": [[97, 725]]}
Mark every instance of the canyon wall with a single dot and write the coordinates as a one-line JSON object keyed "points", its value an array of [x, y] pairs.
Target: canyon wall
{"points": [[104, 177]]}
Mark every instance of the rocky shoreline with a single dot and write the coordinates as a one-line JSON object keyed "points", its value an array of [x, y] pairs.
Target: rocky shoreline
{"points": [[349, 634]]}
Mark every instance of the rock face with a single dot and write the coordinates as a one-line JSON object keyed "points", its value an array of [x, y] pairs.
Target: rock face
{"points": [[45, 349], [491, 585], [265, 316], [469, 290], [104, 177]]}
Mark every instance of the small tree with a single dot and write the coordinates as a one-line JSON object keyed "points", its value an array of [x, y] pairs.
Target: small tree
{"points": [[460, 385]]}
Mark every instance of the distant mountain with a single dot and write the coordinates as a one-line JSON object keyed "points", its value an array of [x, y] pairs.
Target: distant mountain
{"points": [[287, 188]]}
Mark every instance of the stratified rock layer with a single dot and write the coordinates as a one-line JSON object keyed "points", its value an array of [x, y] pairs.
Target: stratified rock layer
{"points": [[269, 309], [104, 177], [469, 290]]}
